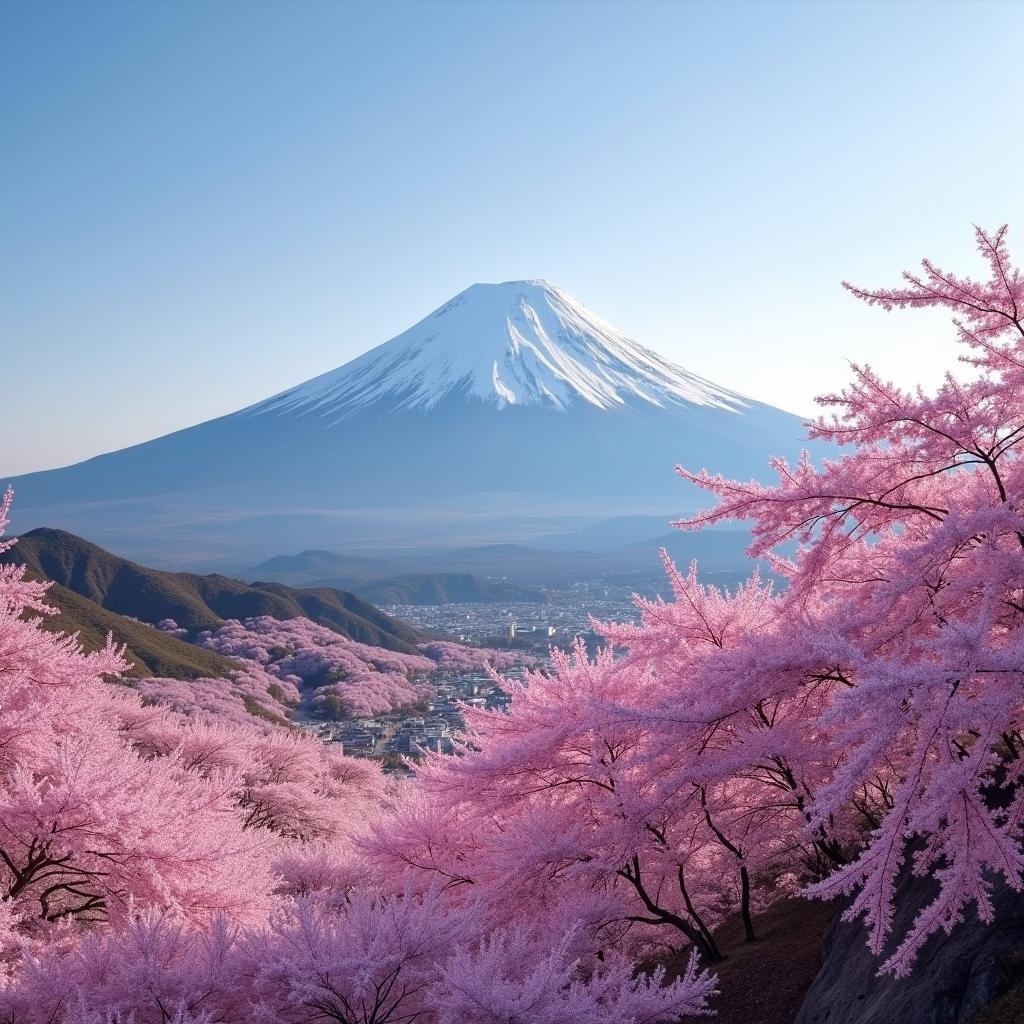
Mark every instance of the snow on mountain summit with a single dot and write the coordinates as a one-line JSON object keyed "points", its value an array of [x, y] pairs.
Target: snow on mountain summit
{"points": [[510, 344]]}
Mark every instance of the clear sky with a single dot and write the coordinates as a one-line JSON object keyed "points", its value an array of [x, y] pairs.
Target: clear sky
{"points": [[203, 203]]}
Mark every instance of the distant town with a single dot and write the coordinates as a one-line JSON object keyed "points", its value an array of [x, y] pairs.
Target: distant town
{"points": [[398, 739], [533, 628]]}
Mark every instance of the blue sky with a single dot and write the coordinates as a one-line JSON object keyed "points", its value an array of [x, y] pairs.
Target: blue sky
{"points": [[203, 203]]}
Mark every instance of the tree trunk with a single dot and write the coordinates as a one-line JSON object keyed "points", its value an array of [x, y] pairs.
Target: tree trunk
{"points": [[748, 924]]}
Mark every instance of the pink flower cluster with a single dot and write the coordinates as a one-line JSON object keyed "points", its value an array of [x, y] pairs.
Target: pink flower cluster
{"points": [[455, 658], [247, 693], [172, 627], [368, 680]]}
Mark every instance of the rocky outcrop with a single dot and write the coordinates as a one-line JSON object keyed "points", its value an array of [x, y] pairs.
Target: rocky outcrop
{"points": [[956, 975]]}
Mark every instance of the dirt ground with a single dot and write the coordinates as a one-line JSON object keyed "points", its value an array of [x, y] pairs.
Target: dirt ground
{"points": [[763, 982]]}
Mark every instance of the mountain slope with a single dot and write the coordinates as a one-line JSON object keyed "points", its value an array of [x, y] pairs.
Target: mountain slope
{"points": [[446, 588], [196, 602], [308, 567], [509, 411], [526, 566], [152, 652]]}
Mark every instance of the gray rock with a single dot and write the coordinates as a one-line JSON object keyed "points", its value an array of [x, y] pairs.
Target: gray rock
{"points": [[955, 976]]}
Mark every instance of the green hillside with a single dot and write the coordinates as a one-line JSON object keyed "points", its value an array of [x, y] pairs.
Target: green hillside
{"points": [[152, 652], [197, 602]]}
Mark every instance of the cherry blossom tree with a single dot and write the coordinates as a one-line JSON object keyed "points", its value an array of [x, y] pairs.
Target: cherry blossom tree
{"points": [[454, 658], [506, 980], [88, 827], [241, 697], [904, 606], [612, 782], [403, 959]]}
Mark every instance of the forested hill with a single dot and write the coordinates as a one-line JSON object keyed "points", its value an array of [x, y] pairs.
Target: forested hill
{"points": [[151, 651], [193, 601]]}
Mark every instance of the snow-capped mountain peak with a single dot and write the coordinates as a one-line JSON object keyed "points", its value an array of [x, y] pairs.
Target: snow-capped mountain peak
{"points": [[510, 409], [511, 344]]}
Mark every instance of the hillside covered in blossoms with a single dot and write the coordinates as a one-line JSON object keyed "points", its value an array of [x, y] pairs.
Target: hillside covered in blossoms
{"points": [[292, 662]]}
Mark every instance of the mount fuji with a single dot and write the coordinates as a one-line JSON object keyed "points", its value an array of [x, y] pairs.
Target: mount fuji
{"points": [[509, 411]]}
